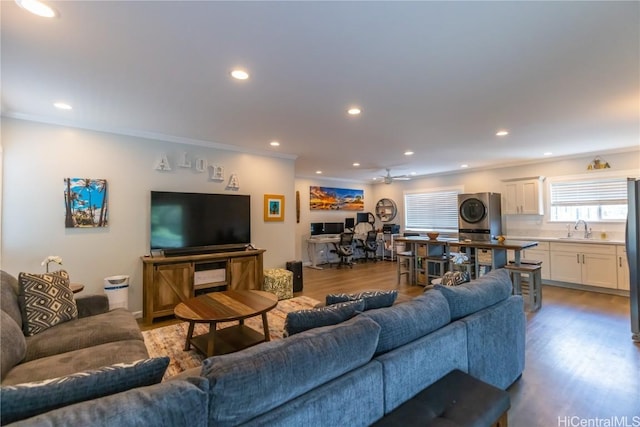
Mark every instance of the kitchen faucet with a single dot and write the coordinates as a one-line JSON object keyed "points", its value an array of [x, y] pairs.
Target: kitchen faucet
{"points": [[587, 232]]}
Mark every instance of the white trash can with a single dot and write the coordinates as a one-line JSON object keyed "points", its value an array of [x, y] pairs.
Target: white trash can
{"points": [[117, 290]]}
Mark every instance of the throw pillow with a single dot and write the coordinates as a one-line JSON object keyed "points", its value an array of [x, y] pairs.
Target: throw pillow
{"points": [[302, 320], [12, 343], [372, 299], [46, 300], [30, 399], [454, 278]]}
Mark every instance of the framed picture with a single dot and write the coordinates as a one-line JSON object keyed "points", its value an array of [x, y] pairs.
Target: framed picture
{"points": [[86, 203], [329, 198], [273, 207]]}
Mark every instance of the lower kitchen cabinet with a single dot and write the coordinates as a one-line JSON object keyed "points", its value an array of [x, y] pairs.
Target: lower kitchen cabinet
{"points": [[586, 264], [623, 268]]}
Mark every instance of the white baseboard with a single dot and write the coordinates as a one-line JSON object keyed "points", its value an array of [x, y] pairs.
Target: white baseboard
{"points": [[137, 314]]}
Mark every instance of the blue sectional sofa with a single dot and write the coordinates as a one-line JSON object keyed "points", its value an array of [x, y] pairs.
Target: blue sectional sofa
{"points": [[352, 373]]}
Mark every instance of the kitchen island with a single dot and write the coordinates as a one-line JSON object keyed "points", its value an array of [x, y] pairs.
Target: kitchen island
{"points": [[432, 258]]}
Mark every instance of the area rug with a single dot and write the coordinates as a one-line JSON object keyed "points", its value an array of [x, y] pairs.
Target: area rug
{"points": [[169, 340]]}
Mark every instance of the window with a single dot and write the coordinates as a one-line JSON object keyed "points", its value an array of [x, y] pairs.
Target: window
{"points": [[431, 210], [589, 199]]}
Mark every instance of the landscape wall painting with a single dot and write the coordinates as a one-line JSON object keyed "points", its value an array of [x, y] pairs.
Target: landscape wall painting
{"points": [[86, 203], [343, 199]]}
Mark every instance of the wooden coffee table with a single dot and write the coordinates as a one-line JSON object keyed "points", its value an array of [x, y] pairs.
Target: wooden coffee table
{"points": [[226, 306]]}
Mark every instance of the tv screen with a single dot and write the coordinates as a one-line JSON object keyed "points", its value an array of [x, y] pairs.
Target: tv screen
{"points": [[191, 222]]}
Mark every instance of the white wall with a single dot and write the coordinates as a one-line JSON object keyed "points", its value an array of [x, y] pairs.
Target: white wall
{"points": [[307, 216], [37, 157], [491, 181]]}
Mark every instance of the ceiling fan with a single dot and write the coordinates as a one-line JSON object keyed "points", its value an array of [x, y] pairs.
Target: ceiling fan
{"points": [[388, 179]]}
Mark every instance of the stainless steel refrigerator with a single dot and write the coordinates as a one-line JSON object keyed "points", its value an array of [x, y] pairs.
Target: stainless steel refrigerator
{"points": [[632, 242]]}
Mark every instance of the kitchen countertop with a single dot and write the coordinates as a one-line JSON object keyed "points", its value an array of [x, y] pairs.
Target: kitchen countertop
{"points": [[593, 240]]}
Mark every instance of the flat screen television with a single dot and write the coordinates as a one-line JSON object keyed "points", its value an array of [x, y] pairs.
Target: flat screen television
{"points": [[185, 223]]}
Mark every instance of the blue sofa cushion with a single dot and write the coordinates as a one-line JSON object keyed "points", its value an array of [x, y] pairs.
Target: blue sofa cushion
{"points": [[372, 299], [302, 320], [251, 382], [410, 320], [473, 296], [29, 399], [170, 403]]}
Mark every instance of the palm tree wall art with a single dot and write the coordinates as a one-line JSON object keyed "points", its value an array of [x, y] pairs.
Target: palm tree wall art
{"points": [[86, 203]]}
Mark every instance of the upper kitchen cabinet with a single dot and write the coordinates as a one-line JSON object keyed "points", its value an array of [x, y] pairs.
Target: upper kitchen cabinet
{"points": [[523, 196]]}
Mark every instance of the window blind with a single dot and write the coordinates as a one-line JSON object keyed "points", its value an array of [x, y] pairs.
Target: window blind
{"points": [[437, 210], [585, 193]]}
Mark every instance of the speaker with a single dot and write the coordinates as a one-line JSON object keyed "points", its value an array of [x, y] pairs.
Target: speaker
{"points": [[296, 268]]}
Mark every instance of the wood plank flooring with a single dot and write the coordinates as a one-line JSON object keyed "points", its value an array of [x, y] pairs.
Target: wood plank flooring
{"points": [[580, 359]]}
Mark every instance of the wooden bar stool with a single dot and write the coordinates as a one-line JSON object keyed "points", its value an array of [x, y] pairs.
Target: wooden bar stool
{"points": [[534, 281], [405, 264]]}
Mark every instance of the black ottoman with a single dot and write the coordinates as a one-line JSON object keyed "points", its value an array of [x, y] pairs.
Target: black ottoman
{"points": [[457, 399]]}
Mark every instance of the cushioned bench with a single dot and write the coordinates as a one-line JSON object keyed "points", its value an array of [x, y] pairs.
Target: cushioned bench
{"points": [[457, 399]]}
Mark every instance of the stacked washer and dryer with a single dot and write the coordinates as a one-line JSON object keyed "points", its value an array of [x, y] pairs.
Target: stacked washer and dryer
{"points": [[480, 216]]}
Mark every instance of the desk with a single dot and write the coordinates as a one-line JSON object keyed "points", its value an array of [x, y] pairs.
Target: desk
{"points": [[313, 243]]}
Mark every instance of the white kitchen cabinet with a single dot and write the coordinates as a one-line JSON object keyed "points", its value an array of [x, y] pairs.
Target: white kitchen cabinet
{"points": [[586, 264], [623, 268], [523, 196]]}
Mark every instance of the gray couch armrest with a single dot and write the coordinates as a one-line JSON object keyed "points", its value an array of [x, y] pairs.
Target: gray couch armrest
{"points": [[90, 305]]}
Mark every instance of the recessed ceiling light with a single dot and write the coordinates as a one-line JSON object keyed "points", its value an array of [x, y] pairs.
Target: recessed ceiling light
{"points": [[413, 173], [274, 144], [354, 111], [62, 106], [356, 164], [319, 172], [408, 153], [37, 8], [464, 166], [548, 153], [502, 133], [239, 74]]}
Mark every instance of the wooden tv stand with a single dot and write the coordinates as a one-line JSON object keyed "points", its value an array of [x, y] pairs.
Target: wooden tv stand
{"points": [[168, 281]]}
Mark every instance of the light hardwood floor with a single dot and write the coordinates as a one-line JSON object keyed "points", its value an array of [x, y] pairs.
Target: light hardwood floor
{"points": [[580, 362]]}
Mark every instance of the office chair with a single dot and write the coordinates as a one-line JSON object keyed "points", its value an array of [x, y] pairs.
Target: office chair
{"points": [[344, 249], [370, 245]]}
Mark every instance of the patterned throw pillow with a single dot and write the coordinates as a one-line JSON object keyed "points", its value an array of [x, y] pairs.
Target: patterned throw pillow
{"points": [[45, 300], [29, 399], [454, 278], [372, 299], [302, 320]]}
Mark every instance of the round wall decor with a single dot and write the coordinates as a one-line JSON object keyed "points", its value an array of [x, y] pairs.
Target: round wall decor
{"points": [[386, 210]]}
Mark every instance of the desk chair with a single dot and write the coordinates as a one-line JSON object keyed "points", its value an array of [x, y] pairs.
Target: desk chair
{"points": [[344, 249], [370, 245]]}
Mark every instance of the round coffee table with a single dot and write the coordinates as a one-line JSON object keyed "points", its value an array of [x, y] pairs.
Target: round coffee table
{"points": [[226, 306]]}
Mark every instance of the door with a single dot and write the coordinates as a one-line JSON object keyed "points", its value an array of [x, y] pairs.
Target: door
{"points": [[623, 268], [173, 284], [243, 273], [473, 211], [566, 267], [599, 270]]}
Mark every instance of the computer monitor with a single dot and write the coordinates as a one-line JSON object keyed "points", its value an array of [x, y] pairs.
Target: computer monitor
{"points": [[333, 227], [317, 228], [362, 217], [349, 223]]}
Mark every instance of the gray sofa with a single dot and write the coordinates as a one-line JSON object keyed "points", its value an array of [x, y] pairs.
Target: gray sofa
{"points": [[352, 373]]}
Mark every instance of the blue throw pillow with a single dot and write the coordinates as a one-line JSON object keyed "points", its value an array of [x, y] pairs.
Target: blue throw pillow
{"points": [[29, 399], [302, 320], [473, 296], [372, 299]]}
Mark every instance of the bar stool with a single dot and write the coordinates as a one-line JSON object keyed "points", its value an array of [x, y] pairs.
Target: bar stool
{"points": [[405, 263], [534, 281]]}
